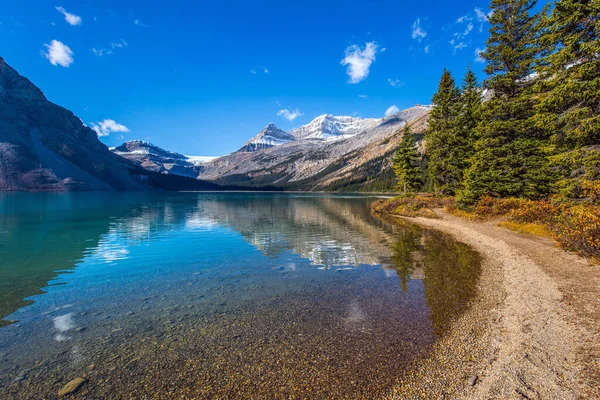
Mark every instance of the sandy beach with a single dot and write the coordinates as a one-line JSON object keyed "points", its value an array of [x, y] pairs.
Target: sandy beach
{"points": [[533, 332]]}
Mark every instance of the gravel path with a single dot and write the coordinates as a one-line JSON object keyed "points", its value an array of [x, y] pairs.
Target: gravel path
{"points": [[533, 332]]}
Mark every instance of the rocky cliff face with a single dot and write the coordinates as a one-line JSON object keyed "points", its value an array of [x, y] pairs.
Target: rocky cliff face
{"points": [[155, 159], [45, 147]]}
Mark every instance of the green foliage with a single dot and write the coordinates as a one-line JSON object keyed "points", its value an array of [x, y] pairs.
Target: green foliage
{"points": [[406, 167], [569, 91], [439, 136], [576, 168], [511, 151]]}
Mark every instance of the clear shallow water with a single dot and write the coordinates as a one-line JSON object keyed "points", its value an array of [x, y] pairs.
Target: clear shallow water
{"points": [[218, 295]]}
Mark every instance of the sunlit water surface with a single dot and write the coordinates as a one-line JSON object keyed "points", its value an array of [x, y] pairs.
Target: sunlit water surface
{"points": [[231, 295]]}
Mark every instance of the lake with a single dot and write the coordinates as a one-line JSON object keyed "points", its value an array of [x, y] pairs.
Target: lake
{"points": [[219, 295]]}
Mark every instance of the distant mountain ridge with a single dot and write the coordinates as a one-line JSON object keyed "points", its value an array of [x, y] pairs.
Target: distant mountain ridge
{"points": [[156, 159], [324, 127], [45, 147], [331, 127], [329, 153]]}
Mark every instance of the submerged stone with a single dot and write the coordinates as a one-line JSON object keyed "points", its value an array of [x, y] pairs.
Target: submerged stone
{"points": [[71, 387]]}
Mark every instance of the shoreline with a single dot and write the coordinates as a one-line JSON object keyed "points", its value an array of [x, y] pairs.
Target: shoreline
{"points": [[532, 332]]}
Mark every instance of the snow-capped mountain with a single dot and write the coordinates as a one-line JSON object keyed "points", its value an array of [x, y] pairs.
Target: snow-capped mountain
{"points": [[331, 127], [157, 159], [330, 153], [199, 160], [270, 136]]}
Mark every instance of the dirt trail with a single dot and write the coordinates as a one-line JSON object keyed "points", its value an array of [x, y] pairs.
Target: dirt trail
{"points": [[533, 332]]}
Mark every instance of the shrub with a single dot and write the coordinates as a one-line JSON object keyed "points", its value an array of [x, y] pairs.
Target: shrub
{"points": [[577, 228]]}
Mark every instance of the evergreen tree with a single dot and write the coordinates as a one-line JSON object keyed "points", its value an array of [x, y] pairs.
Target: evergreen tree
{"points": [[463, 134], [510, 158], [569, 93], [406, 168], [438, 138], [570, 86]]}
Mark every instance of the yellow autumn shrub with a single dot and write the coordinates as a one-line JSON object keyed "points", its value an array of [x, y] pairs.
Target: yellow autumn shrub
{"points": [[577, 228]]}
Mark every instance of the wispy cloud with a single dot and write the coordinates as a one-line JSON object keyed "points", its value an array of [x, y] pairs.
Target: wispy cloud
{"points": [[395, 82], [359, 61], [482, 17], [289, 115], [71, 19], [101, 52], [363, 96], [137, 22], [468, 29], [58, 53], [458, 41], [265, 70], [105, 127], [120, 44], [478, 56], [427, 49], [391, 110], [417, 32]]}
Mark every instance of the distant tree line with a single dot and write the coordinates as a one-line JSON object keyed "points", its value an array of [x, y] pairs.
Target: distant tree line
{"points": [[533, 127]]}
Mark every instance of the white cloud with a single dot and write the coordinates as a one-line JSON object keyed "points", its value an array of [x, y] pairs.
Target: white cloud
{"points": [[363, 96], [478, 56], [253, 71], [71, 19], [468, 29], [391, 110], [460, 45], [137, 22], [114, 45], [464, 18], [482, 17], [427, 49], [104, 128], [58, 53], [359, 61], [417, 32], [101, 52], [289, 115], [395, 82], [119, 44]]}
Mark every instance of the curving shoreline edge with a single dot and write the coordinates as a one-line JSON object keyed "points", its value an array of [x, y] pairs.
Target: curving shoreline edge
{"points": [[532, 332]]}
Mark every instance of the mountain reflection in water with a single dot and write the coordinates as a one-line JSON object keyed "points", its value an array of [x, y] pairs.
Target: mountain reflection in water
{"points": [[232, 279]]}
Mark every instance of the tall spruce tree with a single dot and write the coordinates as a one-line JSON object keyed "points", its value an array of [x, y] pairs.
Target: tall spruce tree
{"points": [[439, 136], [510, 157], [569, 90], [463, 134], [406, 168], [569, 93]]}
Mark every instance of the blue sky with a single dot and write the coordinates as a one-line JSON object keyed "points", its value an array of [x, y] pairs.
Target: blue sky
{"points": [[202, 77]]}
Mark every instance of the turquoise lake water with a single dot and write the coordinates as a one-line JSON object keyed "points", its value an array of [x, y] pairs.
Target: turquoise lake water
{"points": [[208, 295]]}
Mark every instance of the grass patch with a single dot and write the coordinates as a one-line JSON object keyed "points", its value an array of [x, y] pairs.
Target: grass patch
{"points": [[411, 206], [529, 228]]}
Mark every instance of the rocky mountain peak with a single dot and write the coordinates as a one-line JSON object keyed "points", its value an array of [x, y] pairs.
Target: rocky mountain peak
{"points": [[17, 85]]}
